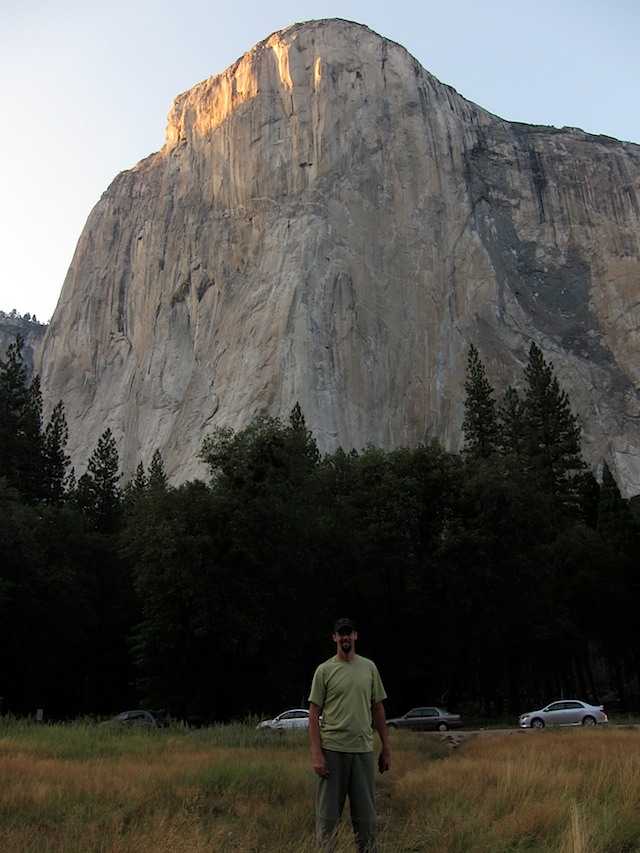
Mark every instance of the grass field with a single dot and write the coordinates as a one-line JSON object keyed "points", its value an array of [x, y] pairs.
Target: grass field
{"points": [[83, 787]]}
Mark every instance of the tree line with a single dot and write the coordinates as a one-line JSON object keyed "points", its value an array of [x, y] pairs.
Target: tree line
{"points": [[488, 580], [15, 315]]}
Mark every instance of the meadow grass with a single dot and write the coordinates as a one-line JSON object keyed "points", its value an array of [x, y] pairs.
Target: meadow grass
{"points": [[83, 788]]}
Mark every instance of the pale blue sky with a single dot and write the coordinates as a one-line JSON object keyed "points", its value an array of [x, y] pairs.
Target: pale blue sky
{"points": [[85, 90]]}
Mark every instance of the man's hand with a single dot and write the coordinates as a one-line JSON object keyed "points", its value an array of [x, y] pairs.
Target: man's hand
{"points": [[320, 766], [384, 759]]}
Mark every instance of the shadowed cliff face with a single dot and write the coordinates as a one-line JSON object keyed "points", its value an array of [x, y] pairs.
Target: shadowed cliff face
{"points": [[328, 224]]}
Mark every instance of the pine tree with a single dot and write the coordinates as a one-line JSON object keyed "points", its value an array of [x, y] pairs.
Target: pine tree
{"points": [[157, 477], [140, 480], [550, 433], [97, 491], [21, 440], [135, 489], [511, 422], [301, 438], [616, 523], [56, 461], [480, 424]]}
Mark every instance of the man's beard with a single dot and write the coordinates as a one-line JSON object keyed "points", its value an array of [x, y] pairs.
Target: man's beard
{"points": [[345, 644]]}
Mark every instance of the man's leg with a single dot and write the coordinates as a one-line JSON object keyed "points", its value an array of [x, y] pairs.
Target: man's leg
{"points": [[362, 800], [330, 796]]}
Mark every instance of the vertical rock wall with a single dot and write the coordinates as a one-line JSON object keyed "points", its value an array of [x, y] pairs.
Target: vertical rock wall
{"points": [[328, 224]]}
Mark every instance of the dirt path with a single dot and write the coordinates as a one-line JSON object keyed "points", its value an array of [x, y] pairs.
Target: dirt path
{"points": [[454, 739]]}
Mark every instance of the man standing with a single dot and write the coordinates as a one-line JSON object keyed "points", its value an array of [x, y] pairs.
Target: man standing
{"points": [[347, 692]]}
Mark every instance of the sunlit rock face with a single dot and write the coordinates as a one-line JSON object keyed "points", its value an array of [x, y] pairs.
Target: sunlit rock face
{"points": [[328, 224]]}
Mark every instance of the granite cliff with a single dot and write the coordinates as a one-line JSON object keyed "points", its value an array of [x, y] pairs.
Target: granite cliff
{"points": [[329, 224]]}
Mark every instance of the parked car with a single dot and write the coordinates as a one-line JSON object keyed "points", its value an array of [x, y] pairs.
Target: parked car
{"points": [[140, 717], [565, 712], [294, 718], [427, 719]]}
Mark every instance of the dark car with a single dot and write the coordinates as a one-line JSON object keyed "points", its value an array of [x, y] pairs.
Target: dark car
{"points": [[430, 718], [140, 717]]}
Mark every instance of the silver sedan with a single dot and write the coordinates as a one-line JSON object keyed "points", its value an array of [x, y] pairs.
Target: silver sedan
{"points": [[565, 712], [294, 718]]}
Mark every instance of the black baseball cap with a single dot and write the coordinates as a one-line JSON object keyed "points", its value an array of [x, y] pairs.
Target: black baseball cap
{"points": [[344, 623]]}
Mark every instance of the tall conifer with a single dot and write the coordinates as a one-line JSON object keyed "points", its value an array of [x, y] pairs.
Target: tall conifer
{"points": [[480, 425], [98, 493], [55, 461], [21, 440]]}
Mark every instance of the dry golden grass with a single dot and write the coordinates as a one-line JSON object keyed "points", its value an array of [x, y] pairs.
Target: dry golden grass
{"points": [[84, 789], [576, 791]]}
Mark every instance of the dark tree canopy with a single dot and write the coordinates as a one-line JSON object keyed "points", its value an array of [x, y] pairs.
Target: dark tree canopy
{"points": [[488, 580]]}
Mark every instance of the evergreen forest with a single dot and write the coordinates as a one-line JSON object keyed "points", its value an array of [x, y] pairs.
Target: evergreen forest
{"points": [[489, 581]]}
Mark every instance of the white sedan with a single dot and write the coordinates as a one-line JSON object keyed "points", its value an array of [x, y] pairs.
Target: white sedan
{"points": [[566, 712], [294, 718]]}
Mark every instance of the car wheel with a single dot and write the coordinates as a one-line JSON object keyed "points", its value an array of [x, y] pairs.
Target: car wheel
{"points": [[589, 721], [537, 723], [443, 727], [392, 726]]}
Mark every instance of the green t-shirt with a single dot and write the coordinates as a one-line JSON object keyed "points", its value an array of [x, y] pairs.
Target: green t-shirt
{"points": [[345, 691]]}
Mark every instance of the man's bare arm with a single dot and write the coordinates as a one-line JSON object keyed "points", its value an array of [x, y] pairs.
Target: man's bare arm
{"points": [[320, 765], [380, 723]]}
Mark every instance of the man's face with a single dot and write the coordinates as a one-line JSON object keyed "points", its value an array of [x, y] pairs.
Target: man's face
{"points": [[345, 638]]}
